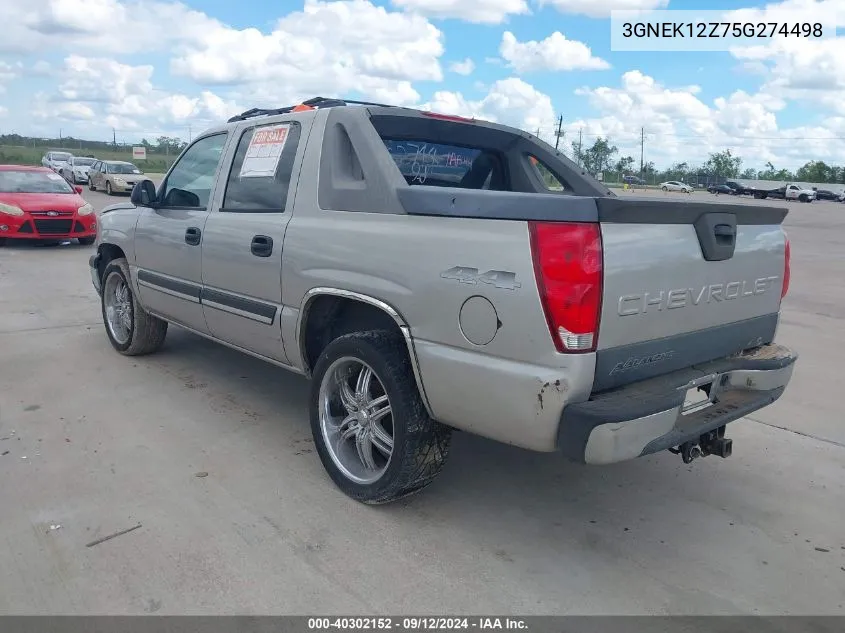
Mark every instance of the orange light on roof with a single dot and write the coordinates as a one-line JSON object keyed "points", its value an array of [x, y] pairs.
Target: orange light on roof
{"points": [[302, 107]]}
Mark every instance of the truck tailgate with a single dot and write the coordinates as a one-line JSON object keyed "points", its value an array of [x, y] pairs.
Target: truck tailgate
{"points": [[685, 283]]}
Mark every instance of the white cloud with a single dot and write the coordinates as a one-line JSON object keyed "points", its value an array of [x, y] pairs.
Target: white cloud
{"points": [[511, 101], [41, 68], [8, 72], [554, 53], [679, 126], [602, 8], [464, 67], [103, 80], [479, 11], [327, 48], [100, 25], [43, 108]]}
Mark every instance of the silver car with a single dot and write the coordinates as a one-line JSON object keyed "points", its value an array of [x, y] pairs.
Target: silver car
{"points": [[56, 160], [75, 170], [674, 185]]}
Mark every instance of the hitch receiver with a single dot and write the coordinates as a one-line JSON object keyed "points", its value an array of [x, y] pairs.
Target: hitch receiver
{"points": [[710, 443]]}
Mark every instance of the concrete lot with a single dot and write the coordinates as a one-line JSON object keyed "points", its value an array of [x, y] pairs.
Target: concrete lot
{"points": [[110, 442]]}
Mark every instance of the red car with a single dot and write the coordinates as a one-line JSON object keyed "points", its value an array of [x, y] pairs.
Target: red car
{"points": [[38, 204]]}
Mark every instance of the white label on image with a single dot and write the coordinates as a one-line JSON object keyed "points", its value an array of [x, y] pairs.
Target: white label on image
{"points": [[264, 151]]}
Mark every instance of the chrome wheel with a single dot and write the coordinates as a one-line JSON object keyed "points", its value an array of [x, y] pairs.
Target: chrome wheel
{"points": [[356, 420], [117, 300]]}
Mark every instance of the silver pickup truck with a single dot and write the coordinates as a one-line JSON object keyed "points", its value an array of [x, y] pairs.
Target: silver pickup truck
{"points": [[431, 273]]}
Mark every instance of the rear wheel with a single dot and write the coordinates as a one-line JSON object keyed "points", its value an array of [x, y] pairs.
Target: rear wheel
{"points": [[131, 330], [370, 427]]}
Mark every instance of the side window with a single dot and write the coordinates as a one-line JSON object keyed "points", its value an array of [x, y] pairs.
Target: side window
{"points": [[550, 180], [190, 182], [260, 174]]}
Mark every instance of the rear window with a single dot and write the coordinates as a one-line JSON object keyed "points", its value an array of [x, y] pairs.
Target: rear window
{"points": [[423, 162]]}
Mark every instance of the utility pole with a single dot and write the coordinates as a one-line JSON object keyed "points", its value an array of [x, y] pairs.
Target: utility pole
{"points": [[642, 146], [559, 132], [114, 137], [60, 137], [579, 147]]}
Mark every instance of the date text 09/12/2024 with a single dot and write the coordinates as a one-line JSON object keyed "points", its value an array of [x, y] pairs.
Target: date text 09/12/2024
{"points": [[416, 623]]}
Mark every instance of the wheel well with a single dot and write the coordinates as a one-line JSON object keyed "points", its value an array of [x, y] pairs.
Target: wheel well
{"points": [[329, 317], [107, 253]]}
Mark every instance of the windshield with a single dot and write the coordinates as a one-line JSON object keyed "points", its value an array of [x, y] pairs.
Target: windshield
{"points": [[33, 182], [83, 162], [123, 168], [58, 156]]}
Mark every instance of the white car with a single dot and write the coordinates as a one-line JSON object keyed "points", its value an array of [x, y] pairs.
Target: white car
{"points": [[75, 170], [56, 160], [674, 185]]}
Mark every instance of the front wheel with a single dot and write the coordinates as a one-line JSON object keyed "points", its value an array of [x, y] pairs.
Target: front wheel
{"points": [[91, 186], [108, 188], [131, 330], [370, 427], [665, 188]]}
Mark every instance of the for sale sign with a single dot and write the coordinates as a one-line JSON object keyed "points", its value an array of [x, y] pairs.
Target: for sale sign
{"points": [[264, 151]]}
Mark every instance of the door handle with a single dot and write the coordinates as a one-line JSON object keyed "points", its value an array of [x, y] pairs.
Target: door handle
{"points": [[262, 246], [192, 236]]}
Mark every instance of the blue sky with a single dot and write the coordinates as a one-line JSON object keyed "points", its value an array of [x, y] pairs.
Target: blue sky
{"points": [[149, 67]]}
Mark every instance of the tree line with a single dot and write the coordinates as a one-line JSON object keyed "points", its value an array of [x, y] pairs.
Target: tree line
{"points": [[165, 145], [603, 157]]}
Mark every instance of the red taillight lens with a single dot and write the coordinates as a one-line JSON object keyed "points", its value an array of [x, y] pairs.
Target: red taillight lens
{"points": [[568, 266], [787, 255]]}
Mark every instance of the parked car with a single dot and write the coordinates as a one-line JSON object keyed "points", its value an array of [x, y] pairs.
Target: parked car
{"points": [[674, 185], [722, 189], [826, 194], [56, 160], [739, 188], [633, 180], [423, 291], [113, 176], [38, 204], [75, 170]]}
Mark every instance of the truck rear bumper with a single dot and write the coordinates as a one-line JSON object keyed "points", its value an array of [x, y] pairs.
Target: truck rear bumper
{"points": [[656, 414]]}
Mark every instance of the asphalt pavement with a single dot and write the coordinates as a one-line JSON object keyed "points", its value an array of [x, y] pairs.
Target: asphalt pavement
{"points": [[210, 452]]}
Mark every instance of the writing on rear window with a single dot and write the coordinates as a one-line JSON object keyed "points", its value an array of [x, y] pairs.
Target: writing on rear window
{"points": [[443, 165]]}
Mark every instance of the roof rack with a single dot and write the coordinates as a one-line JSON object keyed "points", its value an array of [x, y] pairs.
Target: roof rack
{"points": [[316, 103]]}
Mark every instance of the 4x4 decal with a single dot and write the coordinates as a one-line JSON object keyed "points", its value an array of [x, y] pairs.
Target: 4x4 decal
{"points": [[497, 278]]}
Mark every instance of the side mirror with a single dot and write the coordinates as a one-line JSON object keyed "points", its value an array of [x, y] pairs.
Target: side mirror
{"points": [[77, 188], [144, 194]]}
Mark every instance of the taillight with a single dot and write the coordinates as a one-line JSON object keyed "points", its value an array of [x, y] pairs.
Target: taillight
{"points": [[568, 266], [787, 255]]}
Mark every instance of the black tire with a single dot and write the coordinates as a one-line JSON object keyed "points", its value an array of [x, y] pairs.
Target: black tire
{"points": [[108, 188], [2, 241], [421, 445], [665, 188], [148, 332], [91, 186], [86, 241]]}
